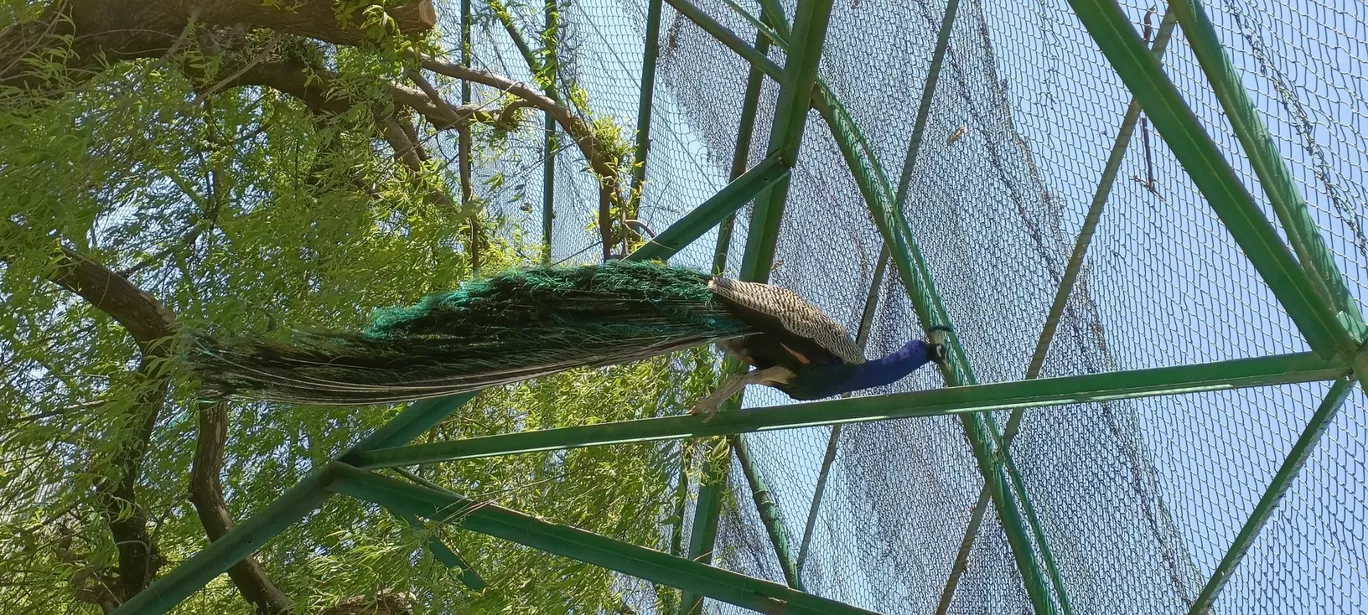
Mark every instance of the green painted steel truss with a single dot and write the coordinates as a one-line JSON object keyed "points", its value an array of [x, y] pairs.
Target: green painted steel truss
{"points": [[1302, 276]]}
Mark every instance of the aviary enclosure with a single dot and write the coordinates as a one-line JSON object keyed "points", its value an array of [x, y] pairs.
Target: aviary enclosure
{"points": [[1144, 222]]}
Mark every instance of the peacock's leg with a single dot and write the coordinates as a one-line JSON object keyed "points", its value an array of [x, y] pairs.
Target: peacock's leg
{"points": [[769, 375]]}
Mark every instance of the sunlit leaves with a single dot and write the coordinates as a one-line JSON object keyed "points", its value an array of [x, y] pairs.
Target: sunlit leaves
{"points": [[242, 210]]}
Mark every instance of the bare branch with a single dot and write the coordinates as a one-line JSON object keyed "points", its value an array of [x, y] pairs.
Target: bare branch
{"points": [[60, 411], [153, 327], [145, 318], [433, 95], [404, 149], [602, 160], [131, 29], [411, 155], [206, 494]]}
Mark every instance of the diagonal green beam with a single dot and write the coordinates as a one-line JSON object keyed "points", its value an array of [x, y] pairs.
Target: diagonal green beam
{"points": [[244, 539], [469, 577], [655, 566], [442, 553], [1282, 480], [714, 210], [745, 132], [1071, 271], [410, 423], [924, 107], [768, 510], [1212, 174], [720, 207], [970, 399], [1268, 164], [857, 153], [728, 38]]}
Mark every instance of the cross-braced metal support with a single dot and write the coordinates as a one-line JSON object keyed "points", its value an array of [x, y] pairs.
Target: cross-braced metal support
{"points": [[1303, 278]]}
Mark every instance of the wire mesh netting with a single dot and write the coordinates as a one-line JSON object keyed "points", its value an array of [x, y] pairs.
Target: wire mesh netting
{"points": [[1139, 500]]}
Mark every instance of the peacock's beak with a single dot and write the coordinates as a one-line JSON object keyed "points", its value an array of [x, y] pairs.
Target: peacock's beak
{"points": [[936, 336], [938, 354]]}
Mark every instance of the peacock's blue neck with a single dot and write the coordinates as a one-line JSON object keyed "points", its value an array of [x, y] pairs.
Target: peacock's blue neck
{"points": [[889, 369]]}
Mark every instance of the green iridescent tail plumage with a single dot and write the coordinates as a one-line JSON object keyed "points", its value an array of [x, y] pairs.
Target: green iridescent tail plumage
{"points": [[516, 325]]}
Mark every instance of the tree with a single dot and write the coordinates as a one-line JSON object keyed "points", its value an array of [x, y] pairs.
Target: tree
{"points": [[241, 165]]}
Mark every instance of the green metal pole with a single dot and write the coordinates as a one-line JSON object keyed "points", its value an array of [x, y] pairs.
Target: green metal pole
{"points": [[465, 142], [969, 399], [643, 128], [721, 205], [550, 143], [469, 577], [1066, 284], [412, 422], [549, 188], [1094, 216], [192, 574], [669, 600], [466, 50], [442, 553], [703, 531], [546, 72], [786, 133], [1282, 480], [750, 104], [1268, 163], [773, 13], [1032, 520], [627, 558], [926, 302], [924, 107], [769, 513], [1202, 158]]}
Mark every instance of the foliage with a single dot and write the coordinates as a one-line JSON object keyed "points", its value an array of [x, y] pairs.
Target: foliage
{"points": [[243, 207]]}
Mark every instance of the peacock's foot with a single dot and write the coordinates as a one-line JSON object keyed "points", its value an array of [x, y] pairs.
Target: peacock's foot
{"points": [[707, 410], [708, 407]]}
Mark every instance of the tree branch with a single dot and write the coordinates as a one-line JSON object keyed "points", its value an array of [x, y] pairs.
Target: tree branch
{"points": [[145, 318], [433, 95], [206, 494], [604, 162], [411, 154], [130, 29], [153, 327], [404, 149]]}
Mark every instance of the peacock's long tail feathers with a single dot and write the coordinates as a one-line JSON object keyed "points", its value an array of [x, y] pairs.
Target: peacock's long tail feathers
{"points": [[516, 325]]}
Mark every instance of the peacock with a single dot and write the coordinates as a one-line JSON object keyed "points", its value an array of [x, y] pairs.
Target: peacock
{"points": [[531, 322]]}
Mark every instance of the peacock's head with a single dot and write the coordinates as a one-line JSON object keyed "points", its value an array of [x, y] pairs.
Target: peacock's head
{"points": [[936, 337]]}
